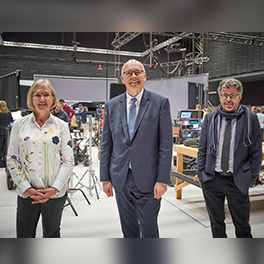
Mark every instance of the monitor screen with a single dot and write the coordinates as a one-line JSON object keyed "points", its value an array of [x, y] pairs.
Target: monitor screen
{"points": [[190, 113], [186, 114], [196, 126]]}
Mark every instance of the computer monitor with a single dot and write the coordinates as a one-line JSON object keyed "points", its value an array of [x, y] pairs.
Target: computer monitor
{"points": [[186, 114], [190, 113]]}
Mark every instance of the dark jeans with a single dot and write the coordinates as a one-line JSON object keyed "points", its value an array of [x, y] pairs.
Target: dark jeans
{"points": [[138, 211], [28, 215], [215, 191]]}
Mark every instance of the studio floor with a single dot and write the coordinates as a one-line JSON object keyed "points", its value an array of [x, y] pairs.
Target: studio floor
{"points": [[185, 218]]}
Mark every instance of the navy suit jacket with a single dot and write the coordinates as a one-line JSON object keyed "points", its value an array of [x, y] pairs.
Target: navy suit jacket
{"points": [[247, 160], [149, 150]]}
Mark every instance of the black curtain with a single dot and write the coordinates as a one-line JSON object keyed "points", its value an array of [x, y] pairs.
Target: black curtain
{"points": [[193, 94], [23, 96], [9, 90], [196, 95]]}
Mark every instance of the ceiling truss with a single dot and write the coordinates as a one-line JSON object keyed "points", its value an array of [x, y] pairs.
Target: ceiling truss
{"points": [[235, 38], [127, 37], [118, 42], [70, 48], [192, 60]]}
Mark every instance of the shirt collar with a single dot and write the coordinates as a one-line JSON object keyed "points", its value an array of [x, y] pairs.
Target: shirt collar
{"points": [[33, 118], [138, 96]]}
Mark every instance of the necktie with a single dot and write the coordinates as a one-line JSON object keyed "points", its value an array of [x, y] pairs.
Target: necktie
{"points": [[226, 147], [132, 116]]}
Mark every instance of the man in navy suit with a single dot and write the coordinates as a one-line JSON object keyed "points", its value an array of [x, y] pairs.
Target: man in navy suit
{"points": [[136, 163], [228, 163]]}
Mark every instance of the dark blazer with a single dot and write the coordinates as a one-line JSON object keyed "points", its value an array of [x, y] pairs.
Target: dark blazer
{"points": [[247, 160], [149, 150], [5, 119]]}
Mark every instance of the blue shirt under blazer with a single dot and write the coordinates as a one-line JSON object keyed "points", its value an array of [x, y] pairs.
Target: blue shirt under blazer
{"points": [[247, 160], [150, 148]]}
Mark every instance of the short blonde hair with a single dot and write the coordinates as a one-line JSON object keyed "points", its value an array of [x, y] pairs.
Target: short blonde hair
{"points": [[198, 106], [41, 82]]}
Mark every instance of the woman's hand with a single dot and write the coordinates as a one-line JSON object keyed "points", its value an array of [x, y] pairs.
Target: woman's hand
{"points": [[40, 195]]}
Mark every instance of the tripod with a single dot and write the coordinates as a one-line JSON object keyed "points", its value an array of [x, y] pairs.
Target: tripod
{"points": [[93, 180], [69, 200]]}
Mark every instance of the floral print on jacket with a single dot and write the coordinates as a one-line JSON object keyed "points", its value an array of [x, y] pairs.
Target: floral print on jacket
{"points": [[40, 157]]}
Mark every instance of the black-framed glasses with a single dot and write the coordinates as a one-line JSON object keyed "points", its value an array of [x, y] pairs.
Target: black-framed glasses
{"points": [[130, 73], [231, 96]]}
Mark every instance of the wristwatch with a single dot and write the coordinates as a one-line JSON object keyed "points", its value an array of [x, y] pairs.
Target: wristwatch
{"points": [[55, 190]]}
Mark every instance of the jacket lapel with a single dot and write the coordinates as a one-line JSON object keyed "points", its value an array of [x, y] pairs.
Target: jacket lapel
{"points": [[123, 114], [142, 110]]}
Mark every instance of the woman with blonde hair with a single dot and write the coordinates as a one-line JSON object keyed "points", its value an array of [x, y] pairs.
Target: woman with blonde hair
{"points": [[198, 107], [40, 161], [5, 119]]}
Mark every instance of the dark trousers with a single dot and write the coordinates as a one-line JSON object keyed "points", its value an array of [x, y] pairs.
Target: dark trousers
{"points": [[28, 215], [79, 124], [3, 150], [138, 211], [214, 192]]}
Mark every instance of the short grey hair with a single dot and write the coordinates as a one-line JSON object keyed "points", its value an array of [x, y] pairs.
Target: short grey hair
{"points": [[228, 83]]}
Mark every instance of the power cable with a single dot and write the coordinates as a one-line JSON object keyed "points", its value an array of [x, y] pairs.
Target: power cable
{"points": [[155, 58]]}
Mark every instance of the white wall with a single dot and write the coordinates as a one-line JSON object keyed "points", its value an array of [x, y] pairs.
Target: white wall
{"points": [[176, 90], [98, 90], [78, 88]]}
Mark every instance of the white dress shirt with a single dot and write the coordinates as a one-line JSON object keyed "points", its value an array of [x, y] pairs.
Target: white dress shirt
{"points": [[232, 144], [137, 103]]}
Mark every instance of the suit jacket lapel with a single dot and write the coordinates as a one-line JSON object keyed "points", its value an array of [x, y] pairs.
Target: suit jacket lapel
{"points": [[123, 114], [239, 130], [142, 110]]}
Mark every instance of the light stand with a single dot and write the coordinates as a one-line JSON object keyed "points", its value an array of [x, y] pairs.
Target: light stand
{"points": [[92, 177]]}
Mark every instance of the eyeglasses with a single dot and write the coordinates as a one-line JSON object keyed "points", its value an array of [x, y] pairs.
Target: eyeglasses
{"points": [[231, 96], [45, 95], [130, 73]]}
